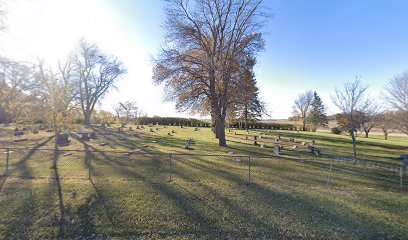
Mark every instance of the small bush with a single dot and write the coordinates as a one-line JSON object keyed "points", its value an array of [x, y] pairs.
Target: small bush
{"points": [[336, 130]]}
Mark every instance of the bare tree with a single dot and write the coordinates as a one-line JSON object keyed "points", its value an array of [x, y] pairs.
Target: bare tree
{"points": [[387, 123], [370, 117], [397, 97], [301, 107], [97, 73], [58, 91], [127, 111], [352, 101], [2, 15], [207, 40], [16, 85]]}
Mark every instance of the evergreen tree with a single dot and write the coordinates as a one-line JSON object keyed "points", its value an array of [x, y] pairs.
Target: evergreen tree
{"points": [[317, 116]]}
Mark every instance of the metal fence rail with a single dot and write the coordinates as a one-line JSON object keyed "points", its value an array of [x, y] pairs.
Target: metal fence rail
{"points": [[239, 169]]}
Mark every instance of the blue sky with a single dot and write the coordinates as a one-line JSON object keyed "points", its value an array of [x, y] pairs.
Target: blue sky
{"points": [[315, 45]]}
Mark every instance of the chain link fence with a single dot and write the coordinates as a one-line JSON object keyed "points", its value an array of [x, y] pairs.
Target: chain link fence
{"points": [[324, 170]]}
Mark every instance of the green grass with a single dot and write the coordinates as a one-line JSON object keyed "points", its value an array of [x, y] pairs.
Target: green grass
{"points": [[209, 196]]}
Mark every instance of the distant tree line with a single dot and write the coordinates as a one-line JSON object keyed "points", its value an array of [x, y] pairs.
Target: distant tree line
{"points": [[265, 125], [173, 121]]}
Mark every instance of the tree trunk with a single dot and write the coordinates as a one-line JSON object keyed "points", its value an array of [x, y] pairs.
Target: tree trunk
{"points": [[385, 136], [353, 138], [304, 124], [246, 118], [366, 134], [220, 131], [87, 120]]}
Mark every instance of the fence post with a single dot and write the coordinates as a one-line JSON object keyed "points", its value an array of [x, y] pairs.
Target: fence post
{"points": [[170, 168], [330, 171], [249, 169], [401, 175], [7, 161], [89, 166]]}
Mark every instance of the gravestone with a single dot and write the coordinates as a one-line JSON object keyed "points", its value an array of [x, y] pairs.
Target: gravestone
{"points": [[277, 150], [196, 129], [235, 133], [103, 125], [255, 137], [103, 144], [255, 143], [172, 131], [19, 133], [108, 124], [85, 136], [169, 134], [229, 129], [49, 131], [276, 141], [151, 130], [130, 129], [119, 129], [313, 142], [181, 126], [314, 150], [21, 140], [35, 131], [292, 139], [262, 146], [157, 129], [62, 139], [246, 137], [92, 135], [279, 136], [137, 127], [188, 144]]}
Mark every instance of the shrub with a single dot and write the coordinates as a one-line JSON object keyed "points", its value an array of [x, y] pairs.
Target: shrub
{"points": [[336, 130]]}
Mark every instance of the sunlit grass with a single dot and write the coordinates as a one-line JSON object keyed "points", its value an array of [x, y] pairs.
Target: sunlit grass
{"points": [[209, 196]]}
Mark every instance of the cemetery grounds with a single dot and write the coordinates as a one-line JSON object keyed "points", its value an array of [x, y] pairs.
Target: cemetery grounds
{"points": [[144, 183]]}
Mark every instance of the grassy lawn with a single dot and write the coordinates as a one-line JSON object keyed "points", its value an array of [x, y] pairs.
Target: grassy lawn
{"points": [[48, 195]]}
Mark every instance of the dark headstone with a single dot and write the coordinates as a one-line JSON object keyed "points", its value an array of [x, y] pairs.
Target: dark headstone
{"points": [[255, 137], [49, 131], [103, 125], [313, 142], [19, 133], [151, 130], [35, 131], [169, 133], [130, 129], [85, 136], [292, 140], [62, 139], [314, 150], [108, 124], [92, 135], [255, 143]]}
